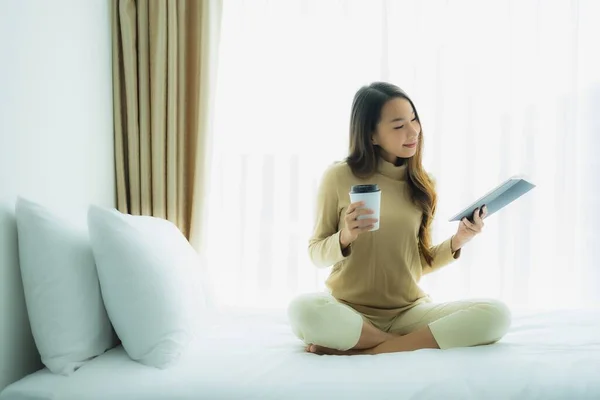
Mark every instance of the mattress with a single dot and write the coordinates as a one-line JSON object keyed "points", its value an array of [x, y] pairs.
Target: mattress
{"points": [[253, 355]]}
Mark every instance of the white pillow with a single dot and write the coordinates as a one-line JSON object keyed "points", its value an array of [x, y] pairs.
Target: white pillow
{"points": [[147, 272], [67, 316]]}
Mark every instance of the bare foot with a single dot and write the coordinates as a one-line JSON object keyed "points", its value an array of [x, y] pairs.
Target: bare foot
{"points": [[320, 350], [419, 339]]}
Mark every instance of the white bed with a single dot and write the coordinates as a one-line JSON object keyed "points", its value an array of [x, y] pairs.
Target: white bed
{"points": [[253, 355]]}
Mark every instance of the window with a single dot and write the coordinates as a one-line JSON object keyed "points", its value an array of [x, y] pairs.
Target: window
{"points": [[502, 88]]}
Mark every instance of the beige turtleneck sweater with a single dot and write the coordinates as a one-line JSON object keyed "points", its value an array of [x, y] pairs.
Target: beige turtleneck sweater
{"points": [[378, 274]]}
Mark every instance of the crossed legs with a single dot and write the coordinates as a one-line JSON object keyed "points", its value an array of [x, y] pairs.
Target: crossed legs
{"points": [[330, 327]]}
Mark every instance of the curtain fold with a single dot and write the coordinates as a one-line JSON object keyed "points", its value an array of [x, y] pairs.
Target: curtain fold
{"points": [[162, 74]]}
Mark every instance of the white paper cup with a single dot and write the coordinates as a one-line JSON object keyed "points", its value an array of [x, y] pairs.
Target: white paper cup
{"points": [[371, 195]]}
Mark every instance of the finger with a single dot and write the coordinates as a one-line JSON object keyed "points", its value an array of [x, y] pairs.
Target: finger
{"points": [[479, 219], [469, 225], [471, 231], [357, 213], [352, 207], [485, 212], [477, 216], [361, 223], [363, 211], [351, 220], [368, 221], [366, 228]]}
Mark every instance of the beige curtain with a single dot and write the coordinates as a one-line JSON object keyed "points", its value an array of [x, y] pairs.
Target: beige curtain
{"points": [[164, 62]]}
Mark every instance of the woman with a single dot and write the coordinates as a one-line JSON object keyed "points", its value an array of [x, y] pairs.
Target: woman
{"points": [[376, 305]]}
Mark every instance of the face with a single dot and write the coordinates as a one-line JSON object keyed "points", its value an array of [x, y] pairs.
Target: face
{"points": [[398, 130]]}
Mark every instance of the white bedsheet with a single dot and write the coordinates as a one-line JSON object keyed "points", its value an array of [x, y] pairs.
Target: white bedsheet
{"points": [[553, 355]]}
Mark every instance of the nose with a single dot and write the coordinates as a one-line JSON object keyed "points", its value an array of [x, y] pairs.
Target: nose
{"points": [[414, 132]]}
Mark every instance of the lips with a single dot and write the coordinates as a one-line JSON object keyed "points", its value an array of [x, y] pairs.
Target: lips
{"points": [[411, 145]]}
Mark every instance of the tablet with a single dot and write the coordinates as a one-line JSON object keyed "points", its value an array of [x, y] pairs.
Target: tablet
{"points": [[498, 198]]}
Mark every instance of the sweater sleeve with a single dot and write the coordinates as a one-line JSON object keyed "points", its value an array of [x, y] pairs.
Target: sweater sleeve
{"points": [[442, 256], [324, 246]]}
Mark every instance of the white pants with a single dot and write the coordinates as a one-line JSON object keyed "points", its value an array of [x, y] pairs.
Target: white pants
{"points": [[322, 320]]}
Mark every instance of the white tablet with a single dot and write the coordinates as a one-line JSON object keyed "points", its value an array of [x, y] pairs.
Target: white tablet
{"points": [[498, 198]]}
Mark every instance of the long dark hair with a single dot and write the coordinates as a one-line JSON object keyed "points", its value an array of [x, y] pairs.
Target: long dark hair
{"points": [[363, 155]]}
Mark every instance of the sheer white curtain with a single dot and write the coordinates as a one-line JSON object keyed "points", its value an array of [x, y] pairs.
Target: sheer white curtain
{"points": [[502, 88]]}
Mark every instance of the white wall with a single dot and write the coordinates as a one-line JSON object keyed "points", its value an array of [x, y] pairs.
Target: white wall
{"points": [[56, 135]]}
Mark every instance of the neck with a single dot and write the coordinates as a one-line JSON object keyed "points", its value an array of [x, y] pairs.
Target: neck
{"points": [[396, 170], [400, 161], [389, 157]]}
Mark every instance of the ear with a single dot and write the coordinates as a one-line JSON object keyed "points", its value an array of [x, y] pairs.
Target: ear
{"points": [[373, 139]]}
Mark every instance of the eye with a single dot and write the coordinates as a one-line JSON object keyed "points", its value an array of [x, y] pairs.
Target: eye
{"points": [[402, 126]]}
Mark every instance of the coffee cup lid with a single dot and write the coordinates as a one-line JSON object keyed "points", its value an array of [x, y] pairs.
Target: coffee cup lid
{"points": [[370, 188]]}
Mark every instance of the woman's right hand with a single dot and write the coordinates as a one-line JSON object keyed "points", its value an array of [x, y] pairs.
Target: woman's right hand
{"points": [[354, 226]]}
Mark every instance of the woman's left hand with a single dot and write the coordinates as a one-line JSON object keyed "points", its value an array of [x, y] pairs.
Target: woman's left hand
{"points": [[467, 230]]}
